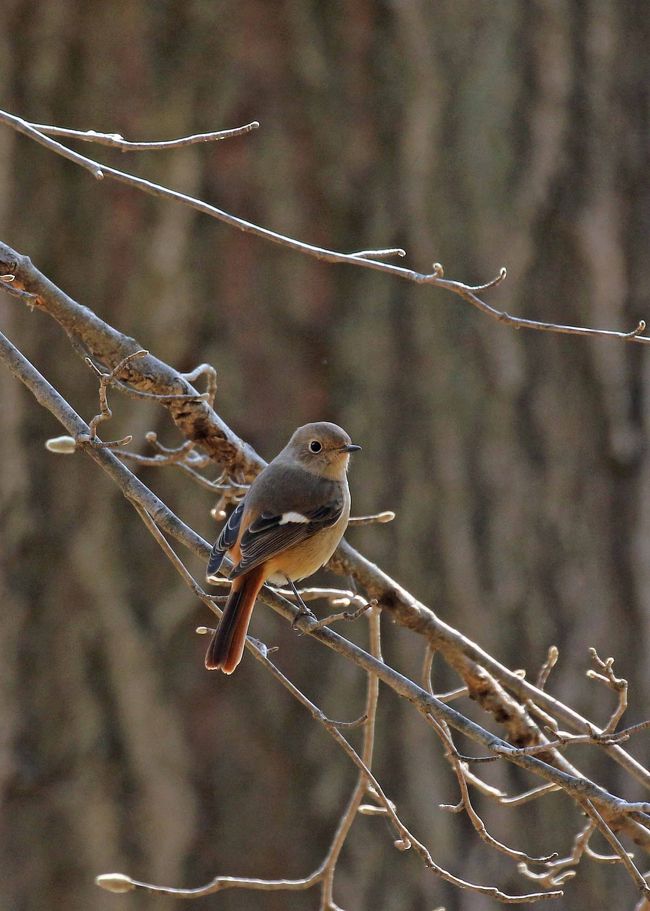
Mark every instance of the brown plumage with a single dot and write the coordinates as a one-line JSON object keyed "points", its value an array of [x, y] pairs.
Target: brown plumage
{"points": [[286, 527]]}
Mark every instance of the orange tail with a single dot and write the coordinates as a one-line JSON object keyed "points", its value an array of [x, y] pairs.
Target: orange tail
{"points": [[227, 646]]}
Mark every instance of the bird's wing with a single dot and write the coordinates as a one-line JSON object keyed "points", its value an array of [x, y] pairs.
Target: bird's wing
{"points": [[272, 533], [225, 541]]}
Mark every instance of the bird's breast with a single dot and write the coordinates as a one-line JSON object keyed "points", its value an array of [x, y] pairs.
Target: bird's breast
{"points": [[307, 557]]}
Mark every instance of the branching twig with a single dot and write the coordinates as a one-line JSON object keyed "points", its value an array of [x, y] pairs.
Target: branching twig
{"points": [[605, 810], [210, 374], [617, 684], [105, 380], [344, 615], [579, 788], [469, 293], [451, 754], [619, 850], [559, 871], [197, 421]]}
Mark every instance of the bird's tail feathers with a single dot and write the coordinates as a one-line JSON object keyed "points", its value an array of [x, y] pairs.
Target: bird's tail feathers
{"points": [[227, 646]]}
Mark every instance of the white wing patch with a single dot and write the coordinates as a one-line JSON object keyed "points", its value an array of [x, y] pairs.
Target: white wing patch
{"points": [[292, 517]]}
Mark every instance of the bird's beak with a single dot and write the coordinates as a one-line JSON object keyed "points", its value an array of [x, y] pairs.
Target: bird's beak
{"points": [[350, 447]]}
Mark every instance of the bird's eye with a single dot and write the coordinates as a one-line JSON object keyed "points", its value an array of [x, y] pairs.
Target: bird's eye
{"points": [[315, 446]]}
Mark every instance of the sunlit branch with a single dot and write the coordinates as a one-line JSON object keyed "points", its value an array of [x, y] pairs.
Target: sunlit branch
{"points": [[436, 278], [115, 141]]}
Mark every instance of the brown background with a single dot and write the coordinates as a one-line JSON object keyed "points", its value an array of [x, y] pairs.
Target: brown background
{"points": [[475, 133]]}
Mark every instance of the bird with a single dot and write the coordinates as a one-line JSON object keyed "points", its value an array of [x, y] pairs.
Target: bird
{"points": [[285, 528]]}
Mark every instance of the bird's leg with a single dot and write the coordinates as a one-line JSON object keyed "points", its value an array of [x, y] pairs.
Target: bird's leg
{"points": [[303, 610]]}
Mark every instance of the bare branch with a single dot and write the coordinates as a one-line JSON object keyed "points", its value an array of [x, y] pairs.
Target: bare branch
{"points": [[210, 374], [379, 254], [158, 460], [451, 695], [198, 421], [451, 754], [559, 871], [578, 788], [435, 278], [336, 596], [379, 518], [547, 667], [520, 799], [618, 812], [619, 850], [344, 615], [105, 380], [115, 141], [617, 684]]}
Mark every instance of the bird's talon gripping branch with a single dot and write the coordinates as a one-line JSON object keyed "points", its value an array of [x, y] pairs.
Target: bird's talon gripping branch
{"points": [[303, 612]]}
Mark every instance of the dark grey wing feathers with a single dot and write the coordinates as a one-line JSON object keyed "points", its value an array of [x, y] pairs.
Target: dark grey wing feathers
{"points": [[271, 534], [225, 540]]}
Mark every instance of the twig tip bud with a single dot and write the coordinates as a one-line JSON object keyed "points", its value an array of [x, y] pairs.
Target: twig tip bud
{"points": [[115, 882], [64, 445], [402, 844]]}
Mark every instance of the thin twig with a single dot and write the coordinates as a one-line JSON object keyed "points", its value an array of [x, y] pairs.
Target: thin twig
{"points": [[617, 684], [559, 871], [547, 667], [210, 374], [619, 850], [379, 254], [344, 615], [173, 558], [105, 380], [47, 396], [349, 814], [200, 422], [427, 666], [134, 489], [527, 796], [337, 596], [7, 286], [380, 518], [451, 695], [563, 739], [116, 141], [469, 293], [452, 755]]}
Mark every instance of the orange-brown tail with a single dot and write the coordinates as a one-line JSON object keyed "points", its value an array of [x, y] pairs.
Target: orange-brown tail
{"points": [[227, 646]]}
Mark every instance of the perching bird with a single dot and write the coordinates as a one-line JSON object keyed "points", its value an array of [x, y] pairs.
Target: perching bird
{"points": [[286, 527]]}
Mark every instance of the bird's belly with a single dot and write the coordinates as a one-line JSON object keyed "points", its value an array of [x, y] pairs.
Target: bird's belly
{"points": [[305, 558]]}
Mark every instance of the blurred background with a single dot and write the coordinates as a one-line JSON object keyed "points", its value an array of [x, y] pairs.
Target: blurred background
{"points": [[477, 133]]}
